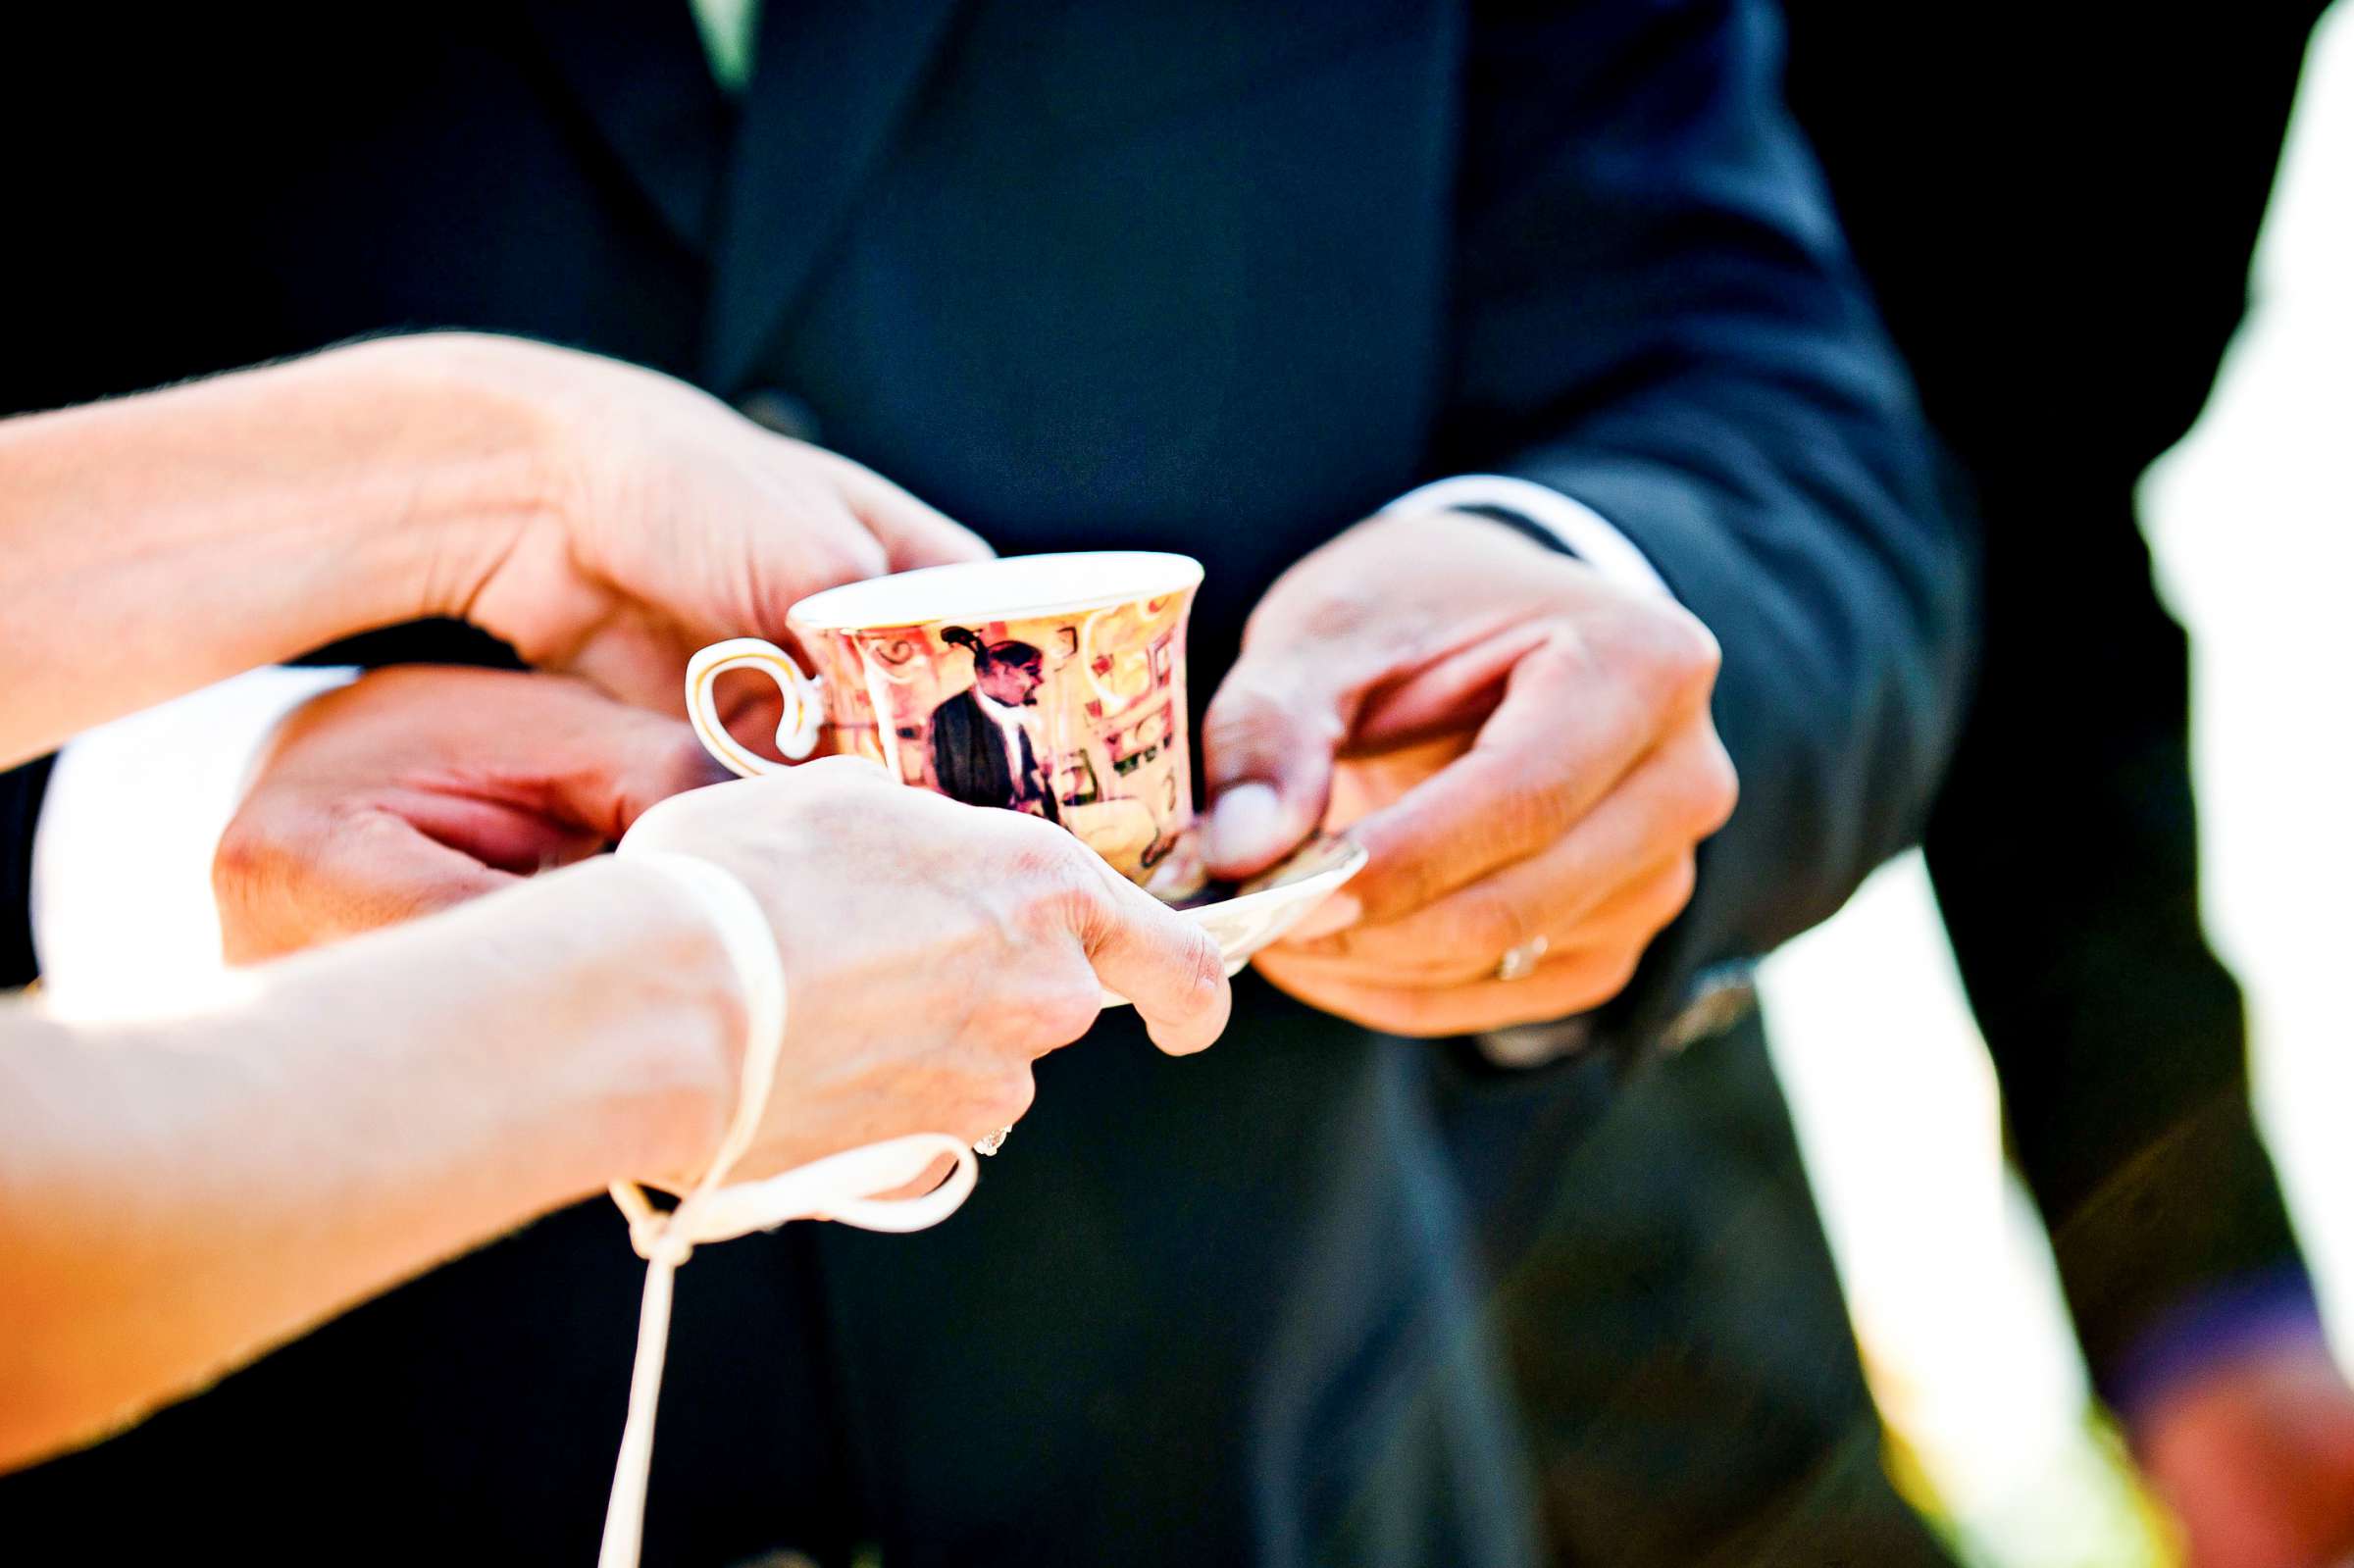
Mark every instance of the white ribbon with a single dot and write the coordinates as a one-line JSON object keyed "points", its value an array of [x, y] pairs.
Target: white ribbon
{"points": [[839, 1187]]}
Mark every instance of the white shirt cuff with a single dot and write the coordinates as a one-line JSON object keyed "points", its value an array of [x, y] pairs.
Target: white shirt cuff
{"points": [[123, 913], [1583, 531]]}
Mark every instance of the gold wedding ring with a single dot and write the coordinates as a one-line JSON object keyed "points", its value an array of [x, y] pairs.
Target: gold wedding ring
{"points": [[1520, 962]]}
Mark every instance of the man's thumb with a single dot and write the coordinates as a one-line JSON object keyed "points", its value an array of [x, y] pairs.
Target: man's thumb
{"points": [[1267, 747]]}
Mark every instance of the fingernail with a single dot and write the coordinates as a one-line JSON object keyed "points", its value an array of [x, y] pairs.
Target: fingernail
{"points": [[1245, 826], [1329, 917]]}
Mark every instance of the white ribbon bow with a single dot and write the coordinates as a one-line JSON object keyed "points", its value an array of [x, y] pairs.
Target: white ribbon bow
{"points": [[839, 1187]]}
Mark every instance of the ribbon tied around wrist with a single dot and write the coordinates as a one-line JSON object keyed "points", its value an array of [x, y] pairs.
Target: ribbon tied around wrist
{"points": [[840, 1187]]}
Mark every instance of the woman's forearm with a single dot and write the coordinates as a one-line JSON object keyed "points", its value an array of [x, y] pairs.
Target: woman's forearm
{"points": [[154, 543], [175, 1200]]}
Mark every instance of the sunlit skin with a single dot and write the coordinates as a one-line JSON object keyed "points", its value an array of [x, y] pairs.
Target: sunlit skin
{"points": [[163, 1217], [599, 517], [1577, 770]]}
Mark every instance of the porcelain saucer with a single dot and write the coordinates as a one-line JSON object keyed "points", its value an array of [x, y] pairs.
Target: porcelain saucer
{"points": [[1245, 919]]}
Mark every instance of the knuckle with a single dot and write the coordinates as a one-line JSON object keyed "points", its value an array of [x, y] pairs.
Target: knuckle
{"points": [[250, 874], [1032, 860], [286, 875], [245, 854], [1529, 814], [1681, 653], [844, 551], [1008, 1100], [1692, 651], [1201, 977], [1707, 789], [1683, 876], [1246, 718], [1409, 883], [1051, 1013], [1485, 926], [360, 832], [1065, 1015], [1724, 794], [1339, 615], [1266, 712], [1061, 896], [1689, 796]]}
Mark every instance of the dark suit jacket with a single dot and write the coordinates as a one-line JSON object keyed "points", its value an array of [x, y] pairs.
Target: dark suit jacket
{"points": [[1213, 278], [2058, 212], [968, 757]]}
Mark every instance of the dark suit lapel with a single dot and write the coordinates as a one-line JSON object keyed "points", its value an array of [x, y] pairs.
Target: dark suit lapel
{"points": [[638, 70], [969, 753], [1032, 783], [830, 81]]}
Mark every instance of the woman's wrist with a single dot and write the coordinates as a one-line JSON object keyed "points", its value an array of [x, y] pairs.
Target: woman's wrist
{"points": [[687, 1024], [310, 500], [590, 1017], [485, 456]]}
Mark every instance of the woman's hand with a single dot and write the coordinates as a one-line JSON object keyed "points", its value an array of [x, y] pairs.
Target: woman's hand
{"points": [[933, 951], [654, 518], [604, 519]]}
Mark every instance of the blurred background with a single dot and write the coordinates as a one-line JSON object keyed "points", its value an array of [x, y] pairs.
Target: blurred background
{"points": [[2251, 520]]}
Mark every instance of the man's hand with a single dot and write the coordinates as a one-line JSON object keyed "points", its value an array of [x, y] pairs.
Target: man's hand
{"points": [[2256, 1457], [420, 787], [1588, 770], [657, 519]]}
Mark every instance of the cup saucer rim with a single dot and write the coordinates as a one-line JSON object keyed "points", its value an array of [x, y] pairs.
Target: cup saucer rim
{"points": [[1284, 881]]}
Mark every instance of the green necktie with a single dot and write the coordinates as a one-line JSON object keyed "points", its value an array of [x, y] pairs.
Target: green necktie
{"points": [[729, 28]]}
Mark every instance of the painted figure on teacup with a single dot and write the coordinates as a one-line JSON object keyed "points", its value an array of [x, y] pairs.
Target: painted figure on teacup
{"points": [[982, 751], [1079, 718]]}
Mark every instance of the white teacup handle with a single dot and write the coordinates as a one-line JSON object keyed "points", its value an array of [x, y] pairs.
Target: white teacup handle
{"points": [[804, 703]]}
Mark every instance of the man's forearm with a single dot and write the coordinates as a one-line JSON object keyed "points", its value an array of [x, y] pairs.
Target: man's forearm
{"points": [[173, 1201], [157, 542]]}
